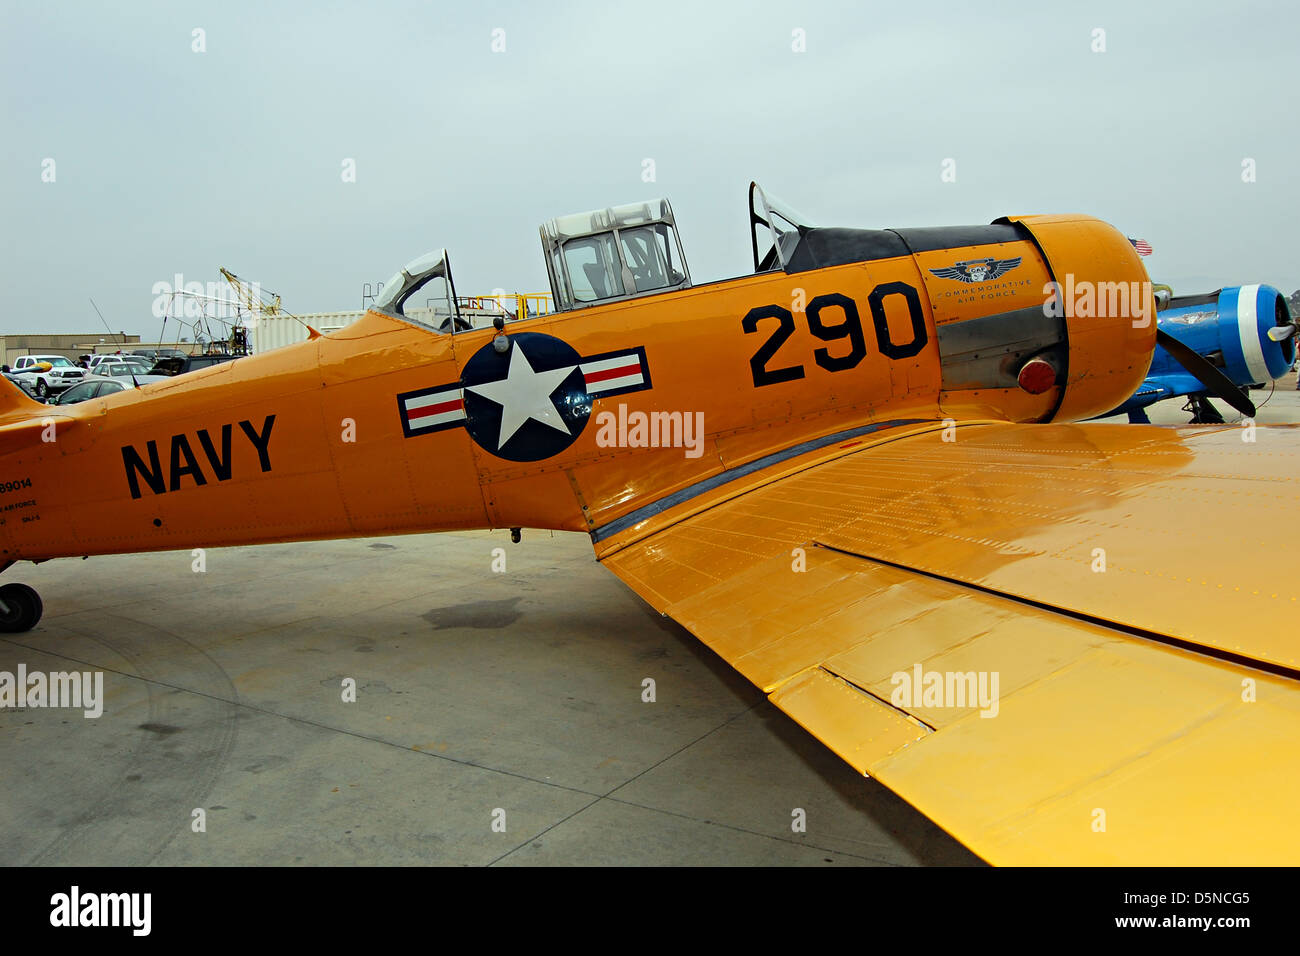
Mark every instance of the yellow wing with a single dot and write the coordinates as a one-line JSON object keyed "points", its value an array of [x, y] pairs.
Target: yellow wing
{"points": [[1132, 587]]}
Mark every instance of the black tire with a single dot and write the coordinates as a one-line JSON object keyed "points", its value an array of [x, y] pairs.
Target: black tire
{"points": [[20, 608], [42, 390]]}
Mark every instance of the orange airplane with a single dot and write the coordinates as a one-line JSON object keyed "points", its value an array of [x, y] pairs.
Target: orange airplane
{"points": [[852, 474]]}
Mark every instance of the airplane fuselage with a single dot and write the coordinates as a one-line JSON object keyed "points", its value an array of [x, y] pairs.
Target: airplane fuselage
{"points": [[387, 426]]}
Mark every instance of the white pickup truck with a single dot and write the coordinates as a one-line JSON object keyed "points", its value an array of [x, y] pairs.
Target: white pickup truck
{"points": [[45, 382]]}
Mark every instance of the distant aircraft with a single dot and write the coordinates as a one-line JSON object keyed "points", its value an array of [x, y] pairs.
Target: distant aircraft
{"points": [[853, 472], [1247, 332]]}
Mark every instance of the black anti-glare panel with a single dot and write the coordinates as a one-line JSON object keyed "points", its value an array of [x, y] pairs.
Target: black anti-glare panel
{"points": [[821, 248]]}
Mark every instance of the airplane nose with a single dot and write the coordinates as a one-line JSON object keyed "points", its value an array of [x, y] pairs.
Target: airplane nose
{"points": [[1283, 333], [1266, 330]]}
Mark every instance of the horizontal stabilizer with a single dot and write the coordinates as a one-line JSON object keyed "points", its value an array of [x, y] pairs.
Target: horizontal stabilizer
{"points": [[24, 421]]}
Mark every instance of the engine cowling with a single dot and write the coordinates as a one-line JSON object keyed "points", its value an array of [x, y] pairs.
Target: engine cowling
{"points": [[1230, 328], [1102, 290]]}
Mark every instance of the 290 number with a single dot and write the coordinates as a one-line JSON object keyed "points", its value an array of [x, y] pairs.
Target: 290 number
{"points": [[850, 328]]}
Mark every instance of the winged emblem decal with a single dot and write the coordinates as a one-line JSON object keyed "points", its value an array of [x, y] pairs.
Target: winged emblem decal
{"points": [[977, 270]]}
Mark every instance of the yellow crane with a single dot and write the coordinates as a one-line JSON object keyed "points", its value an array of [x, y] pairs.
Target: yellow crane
{"points": [[258, 305]]}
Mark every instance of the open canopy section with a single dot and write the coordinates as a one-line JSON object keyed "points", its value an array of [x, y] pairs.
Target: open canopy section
{"points": [[424, 286], [616, 253], [783, 227]]}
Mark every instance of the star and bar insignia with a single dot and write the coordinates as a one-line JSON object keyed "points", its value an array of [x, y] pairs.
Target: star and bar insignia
{"points": [[529, 403]]}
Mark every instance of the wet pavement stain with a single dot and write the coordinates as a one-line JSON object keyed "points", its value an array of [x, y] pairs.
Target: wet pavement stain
{"points": [[162, 730], [480, 614]]}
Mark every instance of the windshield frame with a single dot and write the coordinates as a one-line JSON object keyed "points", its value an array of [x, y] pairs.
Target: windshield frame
{"points": [[610, 223], [413, 277], [768, 211]]}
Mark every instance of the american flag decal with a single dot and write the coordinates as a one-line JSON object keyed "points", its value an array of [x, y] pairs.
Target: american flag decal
{"points": [[614, 373], [431, 409], [1142, 246]]}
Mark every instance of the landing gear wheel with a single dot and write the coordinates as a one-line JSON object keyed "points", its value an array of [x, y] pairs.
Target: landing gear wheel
{"points": [[1204, 412], [20, 608]]}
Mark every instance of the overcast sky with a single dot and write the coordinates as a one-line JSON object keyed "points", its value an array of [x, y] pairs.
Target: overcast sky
{"points": [[167, 160]]}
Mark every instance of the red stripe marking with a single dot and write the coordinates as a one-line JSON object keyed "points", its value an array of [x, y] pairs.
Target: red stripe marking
{"points": [[594, 377], [430, 410]]}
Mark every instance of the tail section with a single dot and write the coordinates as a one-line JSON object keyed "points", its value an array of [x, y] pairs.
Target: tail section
{"points": [[24, 421], [15, 404]]}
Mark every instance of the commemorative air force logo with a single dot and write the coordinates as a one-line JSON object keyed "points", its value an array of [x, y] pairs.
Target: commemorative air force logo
{"points": [[977, 270], [527, 404]]}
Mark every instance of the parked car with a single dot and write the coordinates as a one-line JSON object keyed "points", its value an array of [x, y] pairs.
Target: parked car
{"points": [[47, 374], [179, 365], [128, 371], [95, 386], [110, 361], [100, 357], [153, 355], [91, 387]]}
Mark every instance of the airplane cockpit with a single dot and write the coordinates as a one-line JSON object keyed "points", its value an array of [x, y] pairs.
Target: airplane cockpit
{"points": [[430, 272], [592, 258], [616, 253], [597, 257], [784, 227]]}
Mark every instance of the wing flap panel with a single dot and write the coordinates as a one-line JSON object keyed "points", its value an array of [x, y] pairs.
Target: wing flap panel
{"points": [[861, 729]]}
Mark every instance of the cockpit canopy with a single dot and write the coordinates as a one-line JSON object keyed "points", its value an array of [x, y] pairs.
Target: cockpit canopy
{"points": [[785, 227], [621, 252], [432, 273], [616, 253]]}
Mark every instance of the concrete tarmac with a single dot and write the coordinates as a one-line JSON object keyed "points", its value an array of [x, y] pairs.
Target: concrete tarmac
{"points": [[498, 718], [511, 698]]}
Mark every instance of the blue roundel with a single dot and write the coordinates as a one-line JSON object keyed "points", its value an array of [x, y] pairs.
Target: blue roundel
{"points": [[528, 403]]}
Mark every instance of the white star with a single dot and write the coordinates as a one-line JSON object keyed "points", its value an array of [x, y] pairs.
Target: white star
{"points": [[523, 394]]}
